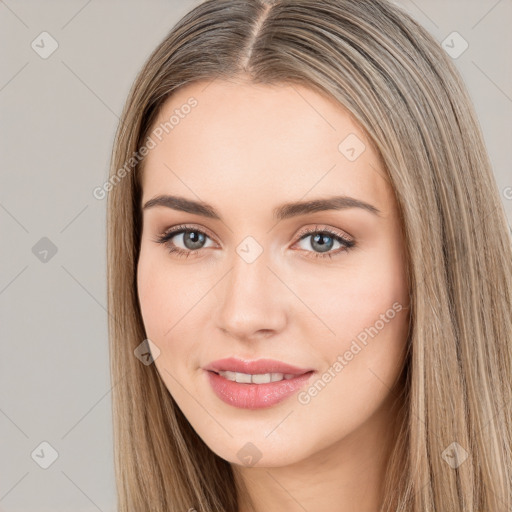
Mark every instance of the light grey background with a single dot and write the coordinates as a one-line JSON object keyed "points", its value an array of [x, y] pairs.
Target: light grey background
{"points": [[59, 116]]}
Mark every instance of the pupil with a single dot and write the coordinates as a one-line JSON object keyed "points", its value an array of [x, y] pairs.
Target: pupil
{"points": [[193, 240], [323, 247]]}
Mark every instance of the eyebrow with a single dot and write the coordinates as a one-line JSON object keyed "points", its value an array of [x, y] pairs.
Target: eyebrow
{"points": [[282, 212]]}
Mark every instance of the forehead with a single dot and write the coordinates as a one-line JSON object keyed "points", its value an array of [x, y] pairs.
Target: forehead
{"points": [[260, 141]]}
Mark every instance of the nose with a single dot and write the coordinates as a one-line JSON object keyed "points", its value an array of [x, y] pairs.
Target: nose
{"points": [[252, 302]]}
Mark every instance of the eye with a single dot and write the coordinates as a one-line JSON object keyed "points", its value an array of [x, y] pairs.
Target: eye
{"points": [[323, 241], [192, 240]]}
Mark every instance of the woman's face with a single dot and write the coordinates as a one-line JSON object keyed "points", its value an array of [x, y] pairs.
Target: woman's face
{"points": [[269, 271]]}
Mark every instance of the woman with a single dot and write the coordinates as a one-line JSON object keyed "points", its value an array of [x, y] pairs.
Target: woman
{"points": [[309, 270]]}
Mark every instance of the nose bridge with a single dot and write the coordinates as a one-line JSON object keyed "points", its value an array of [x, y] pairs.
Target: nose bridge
{"points": [[251, 298]]}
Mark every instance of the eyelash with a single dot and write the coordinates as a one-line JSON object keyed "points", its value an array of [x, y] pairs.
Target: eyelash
{"points": [[165, 239]]}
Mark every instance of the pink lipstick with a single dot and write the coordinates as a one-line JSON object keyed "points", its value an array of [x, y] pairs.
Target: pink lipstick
{"points": [[255, 384]]}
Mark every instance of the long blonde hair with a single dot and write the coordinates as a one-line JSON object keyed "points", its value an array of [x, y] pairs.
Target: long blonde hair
{"points": [[408, 97]]}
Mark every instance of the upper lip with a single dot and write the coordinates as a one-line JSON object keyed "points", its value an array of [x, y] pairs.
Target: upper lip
{"points": [[260, 366]]}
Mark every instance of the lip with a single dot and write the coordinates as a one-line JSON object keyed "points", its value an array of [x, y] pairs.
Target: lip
{"points": [[255, 396], [232, 364]]}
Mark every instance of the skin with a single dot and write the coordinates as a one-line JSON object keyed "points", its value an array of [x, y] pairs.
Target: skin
{"points": [[246, 149]]}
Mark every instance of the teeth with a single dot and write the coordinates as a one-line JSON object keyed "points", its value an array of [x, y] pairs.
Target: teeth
{"points": [[263, 378], [243, 377]]}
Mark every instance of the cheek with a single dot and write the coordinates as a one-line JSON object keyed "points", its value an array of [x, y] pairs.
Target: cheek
{"points": [[357, 298], [151, 292], [163, 290], [160, 293], [367, 310], [171, 308]]}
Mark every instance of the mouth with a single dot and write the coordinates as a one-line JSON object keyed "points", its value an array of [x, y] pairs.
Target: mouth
{"points": [[258, 378], [256, 368], [255, 384]]}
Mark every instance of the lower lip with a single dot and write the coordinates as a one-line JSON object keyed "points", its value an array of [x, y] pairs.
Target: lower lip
{"points": [[255, 396]]}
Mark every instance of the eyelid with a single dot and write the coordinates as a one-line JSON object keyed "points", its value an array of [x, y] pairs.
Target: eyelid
{"points": [[174, 230], [326, 229], [300, 235]]}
